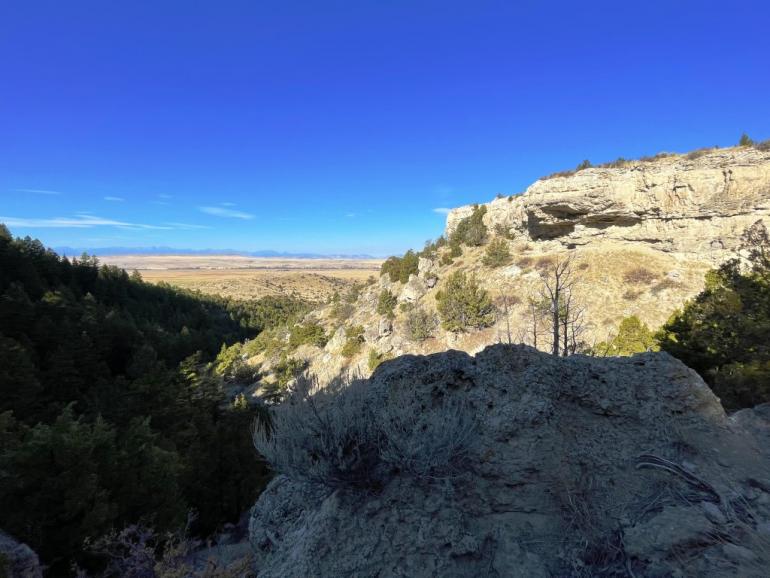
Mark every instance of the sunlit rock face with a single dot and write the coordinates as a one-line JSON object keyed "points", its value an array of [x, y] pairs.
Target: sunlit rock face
{"points": [[680, 204]]}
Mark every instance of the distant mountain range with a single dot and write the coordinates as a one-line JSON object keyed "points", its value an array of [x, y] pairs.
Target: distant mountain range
{"points": [[99, 251]]}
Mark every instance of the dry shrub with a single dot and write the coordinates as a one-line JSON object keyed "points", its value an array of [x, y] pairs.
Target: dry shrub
{"points": [[353, 436], [140, 552], [665, 284], [698, 153], [653, 158], [542, 263], [525, 262], [639, 276], [631, 295], [618, 163], [742, 530], [323, 435], [420, 324], [568, 173]]}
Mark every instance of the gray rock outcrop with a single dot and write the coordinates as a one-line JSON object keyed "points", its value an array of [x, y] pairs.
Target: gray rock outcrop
{"points": [[580, 467]]}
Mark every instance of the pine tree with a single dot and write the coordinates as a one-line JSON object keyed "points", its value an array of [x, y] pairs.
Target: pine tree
{"points": [[497, 253], [463, 304]]}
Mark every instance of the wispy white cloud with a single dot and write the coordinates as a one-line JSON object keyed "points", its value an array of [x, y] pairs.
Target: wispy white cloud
{"points": [[164, 196], [114, 199], [350, 215], [80, 221], [441, 210], [39, 191], [186, 226], [227, 213], [227, 204]]}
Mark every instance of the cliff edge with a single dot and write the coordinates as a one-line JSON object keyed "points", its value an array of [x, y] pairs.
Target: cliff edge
{"points": [[696, 205]]}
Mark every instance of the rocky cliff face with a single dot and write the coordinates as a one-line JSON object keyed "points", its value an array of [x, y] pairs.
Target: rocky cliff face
{"points": [[581, 467], [642, 236], [696, 207]]}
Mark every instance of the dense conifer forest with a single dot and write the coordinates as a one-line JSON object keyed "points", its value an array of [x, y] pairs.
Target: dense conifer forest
{"points": [[110, 410]]}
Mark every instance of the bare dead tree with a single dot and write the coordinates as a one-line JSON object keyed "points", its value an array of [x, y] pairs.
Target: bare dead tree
{"points": [[558, 308], [503, 307], [573, 323], [559, 279], [576, 327], [536, 310]]}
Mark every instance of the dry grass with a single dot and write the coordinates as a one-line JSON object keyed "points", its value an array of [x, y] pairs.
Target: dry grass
{"points": [[249, 278]]}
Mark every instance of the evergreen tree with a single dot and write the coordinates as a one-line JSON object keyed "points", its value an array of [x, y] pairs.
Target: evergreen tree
{"points": [[463, 304], [633, 337], [497, 253], [471, 230], [386, 304], [722, 333], [745, 141]]}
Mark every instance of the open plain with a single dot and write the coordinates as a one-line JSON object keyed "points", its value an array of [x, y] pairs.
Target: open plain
{"points": [[246, 277]]}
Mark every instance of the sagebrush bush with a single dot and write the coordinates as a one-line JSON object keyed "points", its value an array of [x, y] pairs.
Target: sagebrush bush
{"points": [[697, 153], [639, 276], [525, 262], [341, 310], [324, 436], [141, 552], [497, 253], [665, 284], [420, 324], [436, 442], [354, 436]]}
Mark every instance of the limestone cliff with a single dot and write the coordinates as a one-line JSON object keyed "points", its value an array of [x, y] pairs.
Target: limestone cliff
{"points": [[642, 234], [692, 205]]}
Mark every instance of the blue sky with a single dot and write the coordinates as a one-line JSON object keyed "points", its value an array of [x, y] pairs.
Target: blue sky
{"points": [[330, 126]]}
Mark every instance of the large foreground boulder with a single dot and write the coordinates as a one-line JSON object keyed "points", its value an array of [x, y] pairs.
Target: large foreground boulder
{"points": [[575, 467], [17, 560]]}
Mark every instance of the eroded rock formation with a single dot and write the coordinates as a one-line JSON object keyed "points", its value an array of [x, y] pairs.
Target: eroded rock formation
{"points": [[582, 467], [694, 205]]}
